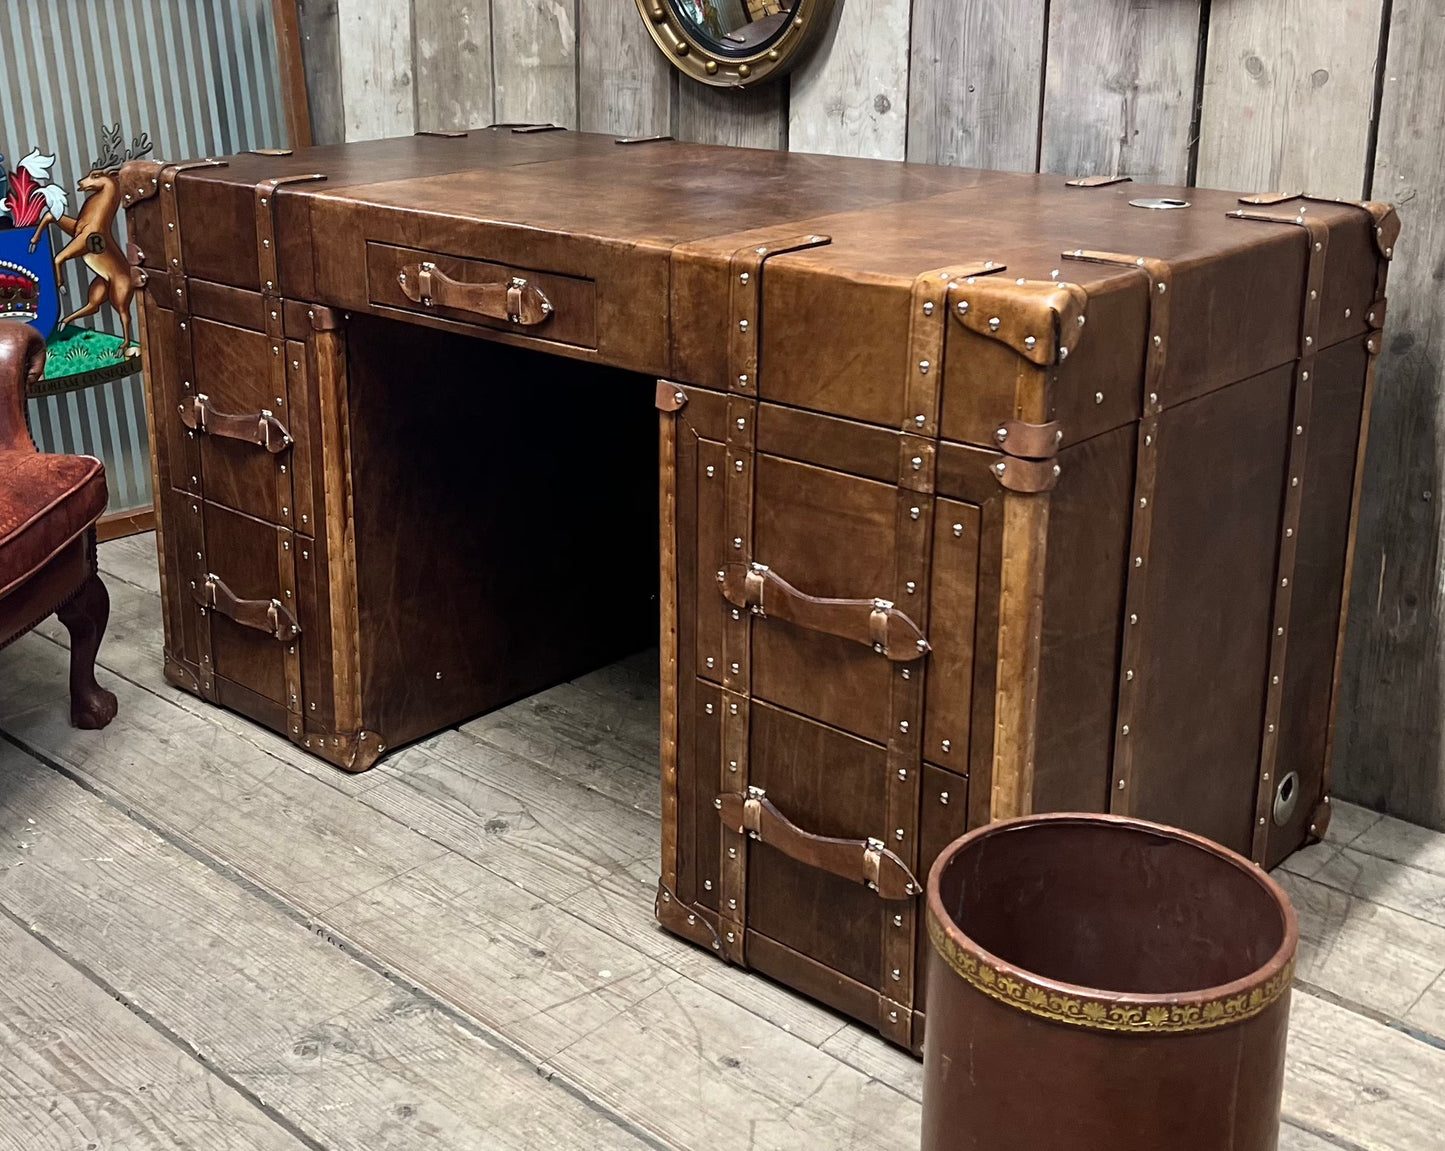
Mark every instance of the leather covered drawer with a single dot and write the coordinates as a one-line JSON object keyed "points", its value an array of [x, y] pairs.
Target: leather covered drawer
{"points": [[549, 306]]}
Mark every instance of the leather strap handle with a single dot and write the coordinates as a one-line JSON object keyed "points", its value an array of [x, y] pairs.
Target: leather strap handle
{"points": [[514, 299], [875, 622], [269, 616], [260, 428], [865, 861]]}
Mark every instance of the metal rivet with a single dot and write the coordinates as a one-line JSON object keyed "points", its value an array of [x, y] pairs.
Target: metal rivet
{"points": [[1098, 397], [732, 765], [1158, 341], [963, 307], [943, 798], [1057, 471], [1133, 617], [1020, 281], [708, 661], [1271, 728], [928, 308], [737, 614], [1275, 679], [743, 380], [898, 834], [738, 466], [731, 937], [707, 707], [744, 277], [1121, 785], [1284, 582], [737, 541], [711, 471], [993, 323], [732, 852], [1309, 341], [1138, 561], [1148, 440], [1279, 631], [958, 529], [911, 587], [1288, 533], [921, 421], [735, 669], [706, 886], [903, 725], [903, 773], [1029, 342], [733, 904], [1304, 375], [1124, 730], [917, 462], [1153, 397], [717, 803], [1129, 674], [923, 366], [742, 423], [1318, 246], [1294, 481], [1261, 821], [742, 325], [732, 710], [1314, 295], [897, 975], [1163, 288], [898, 921], [947, 745], [285, 545], [913, 513], [905, 673], [1143, 501], [1001, 467]]}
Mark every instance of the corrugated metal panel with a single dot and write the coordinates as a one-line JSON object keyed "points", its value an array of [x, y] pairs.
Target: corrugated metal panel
{"points": [[200, 76]]}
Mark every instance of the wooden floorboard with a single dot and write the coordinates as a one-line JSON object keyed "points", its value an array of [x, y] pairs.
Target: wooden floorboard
{"points": [[502, 875], [80, 1070]]}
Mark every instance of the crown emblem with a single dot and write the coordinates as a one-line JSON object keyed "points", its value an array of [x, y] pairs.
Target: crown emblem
{"points": [[19, 293]]}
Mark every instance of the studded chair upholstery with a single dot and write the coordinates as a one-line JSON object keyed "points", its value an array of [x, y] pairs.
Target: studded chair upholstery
{"points": [[49, 505]]}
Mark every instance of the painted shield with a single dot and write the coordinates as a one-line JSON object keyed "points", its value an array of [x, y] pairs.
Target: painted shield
{"points": [[28, 292]]}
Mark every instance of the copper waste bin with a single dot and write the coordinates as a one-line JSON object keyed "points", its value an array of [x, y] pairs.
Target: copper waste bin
{"points": [[1103, 984]]}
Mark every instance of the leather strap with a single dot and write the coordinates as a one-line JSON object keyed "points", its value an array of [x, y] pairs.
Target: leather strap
{"points": [[873, 622], [269, 616], [866, 861], [514, 300], [1097, 181], [1130, 705], [1029, 441], [1318, 241], [745, 272], [260, 428], [1027, 475]]}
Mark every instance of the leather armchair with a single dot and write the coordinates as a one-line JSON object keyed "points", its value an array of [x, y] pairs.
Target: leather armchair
{"points": [[49, 505]]}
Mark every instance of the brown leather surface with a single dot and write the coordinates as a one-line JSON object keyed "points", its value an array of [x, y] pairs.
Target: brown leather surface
{"points": [[1135, 978], [841, 344], [45, 502]]}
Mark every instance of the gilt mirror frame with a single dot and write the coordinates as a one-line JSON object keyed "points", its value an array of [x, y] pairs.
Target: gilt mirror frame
{"points": [[709, 63]]}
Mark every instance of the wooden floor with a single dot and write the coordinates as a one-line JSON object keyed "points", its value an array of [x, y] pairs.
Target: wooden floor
{"points": [[209, 940]]}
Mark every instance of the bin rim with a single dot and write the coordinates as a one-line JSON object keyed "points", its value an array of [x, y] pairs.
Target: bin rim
{"points": [[1093, 1008]]}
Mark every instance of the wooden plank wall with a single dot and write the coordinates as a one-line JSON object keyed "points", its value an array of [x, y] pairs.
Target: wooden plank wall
{"points": [[1343, 98]]}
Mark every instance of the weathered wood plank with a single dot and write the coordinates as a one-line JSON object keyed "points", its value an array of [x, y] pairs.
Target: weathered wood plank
{"points": [[1406, 889], [624, 84], [1370, 955], [850, 97], [353, 1059], [540, 976], [377, 88], [535, 61], [974, 83], [80, 1070], [746, 118], [1390, 749], [1370, 1086], [1119, 89], [132, 559], [1288, 89], [607, 742], [321, 55], [453, 64]]}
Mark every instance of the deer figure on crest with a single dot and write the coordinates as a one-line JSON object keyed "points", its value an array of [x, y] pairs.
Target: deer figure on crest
{"points": [[92, 232]]}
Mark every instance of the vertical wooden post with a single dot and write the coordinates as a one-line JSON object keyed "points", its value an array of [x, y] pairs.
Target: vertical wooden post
{"points": [[292, 72]]}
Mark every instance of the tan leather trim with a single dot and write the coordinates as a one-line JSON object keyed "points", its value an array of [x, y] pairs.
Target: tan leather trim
{"points": [[1027, 475], [1029, 441], [1097, 181], [670, 397], [260, 428], [139, 180], [1039, 319], [513, 299]]}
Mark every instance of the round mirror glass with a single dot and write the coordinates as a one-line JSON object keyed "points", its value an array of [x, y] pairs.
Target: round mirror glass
{"points": [[736, 27]]}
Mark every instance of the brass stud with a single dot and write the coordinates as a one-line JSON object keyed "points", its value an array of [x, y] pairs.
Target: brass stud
{"points": [[744, 71], [681, 48], [711, 67]]}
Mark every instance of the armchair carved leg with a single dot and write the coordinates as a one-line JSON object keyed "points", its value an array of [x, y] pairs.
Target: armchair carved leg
{"points": [[85, 617]]}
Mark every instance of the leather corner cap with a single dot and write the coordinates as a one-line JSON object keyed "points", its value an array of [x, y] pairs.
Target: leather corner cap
{"points": [[139, 180], [1039, 319]]}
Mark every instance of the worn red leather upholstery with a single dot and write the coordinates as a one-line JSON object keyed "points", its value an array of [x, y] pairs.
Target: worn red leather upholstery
{"points": [[49, 505], [46, 502]]}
